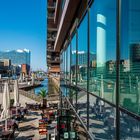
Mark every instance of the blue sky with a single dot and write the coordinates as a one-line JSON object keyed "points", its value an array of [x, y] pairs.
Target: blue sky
{"points": [[23, 25]]}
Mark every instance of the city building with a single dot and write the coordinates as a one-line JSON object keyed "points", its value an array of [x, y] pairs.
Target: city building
{"points": [[82, 57], [53, 57], [135, 58], [5, 65], [2, 67], [17, 57], [1, 64], [25, 69], [104, 97]]}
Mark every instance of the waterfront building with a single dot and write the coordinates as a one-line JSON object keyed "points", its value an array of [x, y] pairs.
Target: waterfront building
{"points": [[17, 57], [25, 69], [2, 70], [1, 64], [6, 63], [103, 92], [53, 56]]}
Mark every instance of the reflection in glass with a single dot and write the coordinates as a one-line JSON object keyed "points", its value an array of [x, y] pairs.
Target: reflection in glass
{"points": [[72, 96], [103, 49], [68, 63], [82, 106], [101, 119], [73, 58], [130, 56], [63, 88], [61, 66], [65, 65], [82, 53], [129, 127]]}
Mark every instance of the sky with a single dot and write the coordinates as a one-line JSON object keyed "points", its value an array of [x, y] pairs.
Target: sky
{"points": [[23, 25]]}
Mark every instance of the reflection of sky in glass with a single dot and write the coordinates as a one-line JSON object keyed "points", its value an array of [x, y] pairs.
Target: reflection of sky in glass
{"points": [[68, 58], [65, 61], [130, 29], [103, 28], [73, 47], [82, 35]]}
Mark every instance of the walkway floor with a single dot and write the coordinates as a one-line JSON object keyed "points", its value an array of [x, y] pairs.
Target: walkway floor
{"points": [[22, 99], [28, 129]]}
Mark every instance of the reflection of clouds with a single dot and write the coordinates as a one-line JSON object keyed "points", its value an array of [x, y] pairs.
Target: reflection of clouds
{"points": [[101, 19], [78, 52]]}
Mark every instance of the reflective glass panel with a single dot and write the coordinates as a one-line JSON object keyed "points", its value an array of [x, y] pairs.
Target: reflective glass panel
{"points": [[129, 127], [103, 49], [72, 96], [130, 56], [73, 60], [101, 119], [68, 63], [82, 53], [82, 106], [65, 67]]}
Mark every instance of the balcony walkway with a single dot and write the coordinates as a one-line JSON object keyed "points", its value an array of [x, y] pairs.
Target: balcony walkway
{"points": [[28, 129]]}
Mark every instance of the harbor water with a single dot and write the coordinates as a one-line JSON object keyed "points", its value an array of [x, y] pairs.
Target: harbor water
{"points": [[44, 85]]}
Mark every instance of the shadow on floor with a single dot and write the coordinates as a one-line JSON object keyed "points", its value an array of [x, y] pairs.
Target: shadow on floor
{"points": [[34, 113], [43, 139], [25, 137], [29, 119], [27, 127], [94, 125]]}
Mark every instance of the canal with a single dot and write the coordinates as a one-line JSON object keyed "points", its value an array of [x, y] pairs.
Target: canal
{"points": [[44, 85]]}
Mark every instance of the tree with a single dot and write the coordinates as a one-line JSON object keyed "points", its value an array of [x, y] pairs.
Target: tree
{"points": [[43, 94]]}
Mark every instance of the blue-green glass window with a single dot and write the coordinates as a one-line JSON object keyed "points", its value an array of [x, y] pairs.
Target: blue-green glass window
{"points": [[65, 67], [102, 80], [82, 53], [82, 106], [64, 64], [102, 122], [61, 65], [129, 127], [73, 60], [72, 96], [68, 63], [130, 56]]}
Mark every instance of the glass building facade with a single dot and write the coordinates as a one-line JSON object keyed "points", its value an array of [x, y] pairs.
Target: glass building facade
{"points": [[17, 57], [102, 62]]}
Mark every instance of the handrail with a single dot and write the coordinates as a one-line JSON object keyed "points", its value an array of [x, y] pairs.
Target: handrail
{"points": [[92, 137]]}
